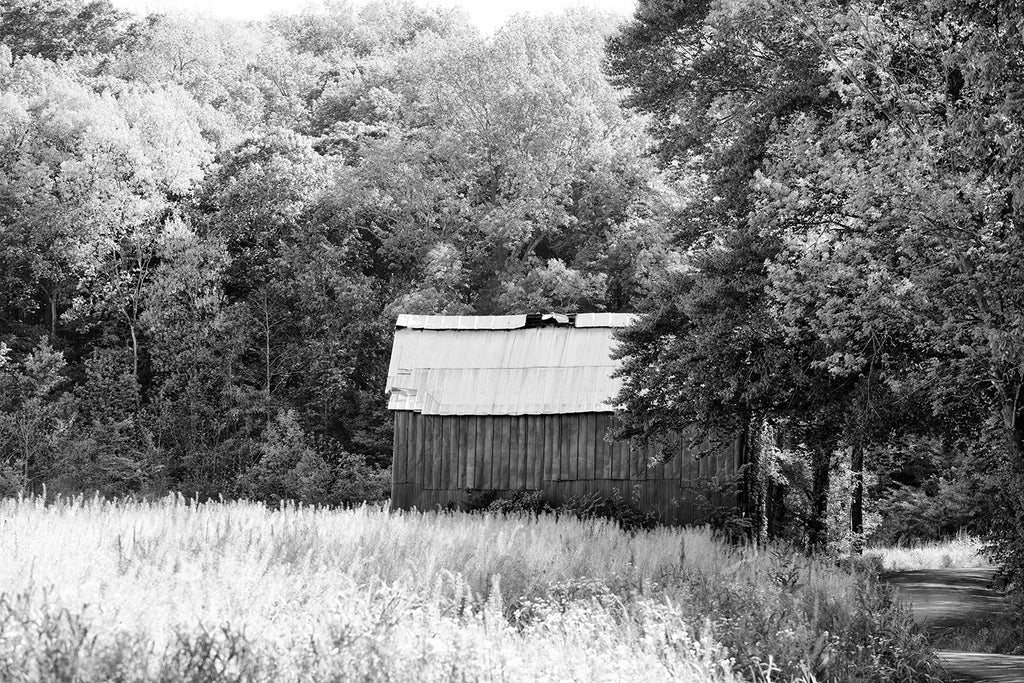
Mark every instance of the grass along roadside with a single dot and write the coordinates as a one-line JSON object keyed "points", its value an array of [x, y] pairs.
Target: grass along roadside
{"points": [[172, 591], [961, 551], [998, 632]]}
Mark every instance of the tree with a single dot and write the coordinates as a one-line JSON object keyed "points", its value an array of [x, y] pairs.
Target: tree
{"points": [[710, 349], [882, 200], [34, 416], [193, 405], [59, 29], [905, 213], [217, 222]]}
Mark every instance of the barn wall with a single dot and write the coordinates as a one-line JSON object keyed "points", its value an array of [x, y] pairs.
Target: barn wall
{"points": [[439, 459]]}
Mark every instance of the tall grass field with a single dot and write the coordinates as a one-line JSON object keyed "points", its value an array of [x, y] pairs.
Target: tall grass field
{"points": [[178, 591], [961, 552]]}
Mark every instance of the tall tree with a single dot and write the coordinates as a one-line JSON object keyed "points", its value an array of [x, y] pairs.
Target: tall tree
{"points": [[718, 80], [59, 29]]}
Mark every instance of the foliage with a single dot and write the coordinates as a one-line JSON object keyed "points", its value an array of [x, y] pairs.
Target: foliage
{"points": [[961, 551], [850, 268], [515, 503], [245, 207], [58, 29], [292, 467], [35, 416], [1001, 632], [614, 508], [303, 593]]}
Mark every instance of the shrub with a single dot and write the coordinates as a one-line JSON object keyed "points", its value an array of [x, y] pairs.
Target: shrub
{"points": [[520, 502], [355, 481], [615, 508], [295, 466], [288, 468], [960, 551]]}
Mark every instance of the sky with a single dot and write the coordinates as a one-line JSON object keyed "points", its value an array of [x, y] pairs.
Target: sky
{"points": [[486, 14]]}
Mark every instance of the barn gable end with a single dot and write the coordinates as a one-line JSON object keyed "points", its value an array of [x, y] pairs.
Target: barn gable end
{"points": [[525, 402]]}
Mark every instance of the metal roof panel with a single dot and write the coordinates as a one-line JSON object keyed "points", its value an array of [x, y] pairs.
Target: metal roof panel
{"points": [[461, 322], [544, 370], [605, 319]]}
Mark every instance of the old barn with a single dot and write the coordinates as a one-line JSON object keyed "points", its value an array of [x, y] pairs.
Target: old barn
{"points": [[523, 402]]}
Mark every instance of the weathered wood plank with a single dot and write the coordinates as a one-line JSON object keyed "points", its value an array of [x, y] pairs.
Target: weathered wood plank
{"points": [[614, 463], [502, 424], [398, 449], [416, 451], [637, 470], [470, 481], [423, 452], [602, 448], [553, 432], [515, 461], [620, 459], [488, 453], [536, 447], [526, 467], [454, 452], [571, 439], [443, 456], [512, 436], [676, 449], [436, 450], [439, 456], [628, 468], [584, 453], [533, 462], [462, 444], [483, 474], [396, 454], [588, 458]]}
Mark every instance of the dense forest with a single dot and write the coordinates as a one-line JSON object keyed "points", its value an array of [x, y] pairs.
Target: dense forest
{"points": [[849, 291], [207, 229]]}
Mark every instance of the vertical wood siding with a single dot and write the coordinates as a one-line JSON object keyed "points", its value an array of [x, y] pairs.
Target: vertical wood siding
{"points": [[438, 459]]}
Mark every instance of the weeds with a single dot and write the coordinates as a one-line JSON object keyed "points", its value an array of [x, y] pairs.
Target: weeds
{"points": [[175, 591], [961, 551]]}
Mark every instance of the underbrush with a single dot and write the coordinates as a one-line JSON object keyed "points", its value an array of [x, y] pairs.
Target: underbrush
{"points": [[614, 508], [999, 633], [962, 552], [172, 591]]}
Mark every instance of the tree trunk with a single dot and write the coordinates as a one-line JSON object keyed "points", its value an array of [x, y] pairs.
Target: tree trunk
{"points": [[1013, 421], [759, 434], [266, 351], [817, 524], [53, 315], [857, 498], [776, 506], [135, 366], [51, 308], [753, 499]]}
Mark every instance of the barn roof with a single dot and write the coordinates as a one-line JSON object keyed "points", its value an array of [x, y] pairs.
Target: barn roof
{"points": [[504, 365]]}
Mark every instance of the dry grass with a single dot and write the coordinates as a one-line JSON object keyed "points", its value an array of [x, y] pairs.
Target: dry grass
{"points": [[963, 552], [172, 591]]}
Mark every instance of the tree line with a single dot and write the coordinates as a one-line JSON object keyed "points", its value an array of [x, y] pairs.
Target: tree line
{"points": [[848, 290], [207, 228]]}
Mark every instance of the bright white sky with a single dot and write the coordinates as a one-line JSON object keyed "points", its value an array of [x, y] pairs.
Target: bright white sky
{"points": [[487, 15]]}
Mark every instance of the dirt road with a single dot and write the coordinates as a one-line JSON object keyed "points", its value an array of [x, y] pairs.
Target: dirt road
{"points": [[943, 598]]}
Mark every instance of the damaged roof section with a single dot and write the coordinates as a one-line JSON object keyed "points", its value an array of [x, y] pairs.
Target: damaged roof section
{"points": [[505, 365]]}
